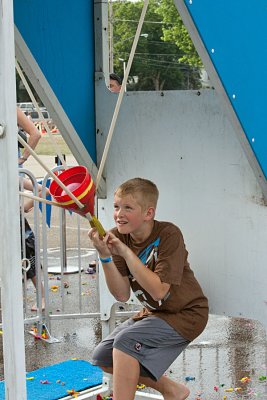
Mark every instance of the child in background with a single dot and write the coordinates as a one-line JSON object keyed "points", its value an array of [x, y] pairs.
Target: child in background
{"points": [[30, 256], [32, 137]]}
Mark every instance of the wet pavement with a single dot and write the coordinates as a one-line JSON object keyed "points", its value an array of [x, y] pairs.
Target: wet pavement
{"points": [[213, 366], [229, 350]]}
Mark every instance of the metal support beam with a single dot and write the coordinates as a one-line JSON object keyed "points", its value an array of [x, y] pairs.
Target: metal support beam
{"points": [[10, 268], [101, 37], [48, 97], [101, 60]]}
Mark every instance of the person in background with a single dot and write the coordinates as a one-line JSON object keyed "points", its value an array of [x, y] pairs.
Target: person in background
{"points": [[30, 256], [114, 83], [31, 135], [34, 135]]}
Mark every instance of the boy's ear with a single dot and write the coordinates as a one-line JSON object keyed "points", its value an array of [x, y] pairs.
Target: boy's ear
{"points": [[150, 213]]}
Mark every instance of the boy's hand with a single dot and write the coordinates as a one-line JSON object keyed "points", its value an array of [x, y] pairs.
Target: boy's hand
{"points": [[119, 286], [108, 245], [115, 245], [99, 243]]}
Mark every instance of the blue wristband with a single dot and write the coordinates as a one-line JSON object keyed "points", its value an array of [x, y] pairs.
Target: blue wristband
{"points": [[105, 260]]}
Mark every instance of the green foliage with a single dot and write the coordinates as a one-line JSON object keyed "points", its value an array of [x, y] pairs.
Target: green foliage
{"points": [[160, 62], [174, 31]]}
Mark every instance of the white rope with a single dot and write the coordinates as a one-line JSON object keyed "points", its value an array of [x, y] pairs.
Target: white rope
{"points": [[27, 87], [118, 104], [40, 199]]}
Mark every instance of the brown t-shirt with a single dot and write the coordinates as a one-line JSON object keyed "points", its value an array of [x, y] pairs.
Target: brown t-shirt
{"points": [[184, 307]]}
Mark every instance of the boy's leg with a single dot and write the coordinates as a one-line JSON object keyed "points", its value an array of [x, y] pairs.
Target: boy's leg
{"points": [[147, 348], [126, 371], [169, 389], [102, 355]]}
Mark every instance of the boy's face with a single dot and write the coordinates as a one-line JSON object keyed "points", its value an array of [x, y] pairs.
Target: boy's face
{"points": [[129, 215], [114, 86]]}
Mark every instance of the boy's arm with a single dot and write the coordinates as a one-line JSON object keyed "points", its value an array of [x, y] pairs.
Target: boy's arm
{"points": [[119, 286], [146, 278]]}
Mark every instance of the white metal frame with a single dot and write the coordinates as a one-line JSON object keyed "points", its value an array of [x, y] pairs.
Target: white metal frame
{"points": [[11, 285]]}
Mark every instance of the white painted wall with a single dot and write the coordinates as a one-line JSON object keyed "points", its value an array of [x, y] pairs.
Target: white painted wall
{"points": [[185, 143]]}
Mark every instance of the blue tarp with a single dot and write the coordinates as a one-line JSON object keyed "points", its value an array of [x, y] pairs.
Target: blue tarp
{"points": [[72, 374]]}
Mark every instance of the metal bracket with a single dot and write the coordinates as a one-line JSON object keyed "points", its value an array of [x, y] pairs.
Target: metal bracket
{"points": [[43, 335]]}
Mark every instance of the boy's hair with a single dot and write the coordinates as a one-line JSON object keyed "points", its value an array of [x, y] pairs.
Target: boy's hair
{"points": [[147, 191]]}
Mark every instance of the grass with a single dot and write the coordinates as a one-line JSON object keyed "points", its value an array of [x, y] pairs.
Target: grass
{"points": [[46, 145]]}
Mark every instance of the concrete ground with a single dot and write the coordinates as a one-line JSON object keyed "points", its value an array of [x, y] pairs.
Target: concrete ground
{"points": [[212, 366]]}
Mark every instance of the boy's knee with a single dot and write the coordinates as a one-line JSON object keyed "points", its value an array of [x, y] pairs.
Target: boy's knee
{"points": [[102, 353], [108, 370]]}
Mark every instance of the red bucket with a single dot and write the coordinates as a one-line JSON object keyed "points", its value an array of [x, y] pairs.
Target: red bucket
{"points": [[80, 184]]}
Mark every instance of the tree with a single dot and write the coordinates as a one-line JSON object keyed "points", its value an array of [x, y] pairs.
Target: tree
{"points": [[156, 64], [174, 31]]}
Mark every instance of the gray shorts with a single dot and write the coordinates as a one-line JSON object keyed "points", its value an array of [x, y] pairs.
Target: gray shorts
{"points": [[153, 342]]}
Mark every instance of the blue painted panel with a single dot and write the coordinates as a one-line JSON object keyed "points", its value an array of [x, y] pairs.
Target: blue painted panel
{"points": [[60, 35], [235, 36]]}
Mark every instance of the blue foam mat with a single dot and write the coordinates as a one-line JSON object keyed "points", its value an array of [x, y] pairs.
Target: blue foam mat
{"points": [[76, 374]]}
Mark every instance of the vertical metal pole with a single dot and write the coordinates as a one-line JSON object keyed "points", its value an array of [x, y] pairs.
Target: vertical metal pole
{"points": [[63, 241], [101, 39], [10, 266], [63, 235], [111, 66], [63, 268], [63, 253], [124, 70]]}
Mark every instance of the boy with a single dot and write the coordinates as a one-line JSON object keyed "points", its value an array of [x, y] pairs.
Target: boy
{"points": [[150, 257]]}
